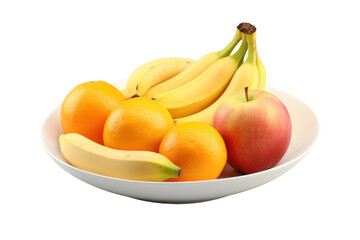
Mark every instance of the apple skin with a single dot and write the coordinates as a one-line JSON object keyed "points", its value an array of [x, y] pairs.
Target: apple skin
{"points": [[257, 132]]}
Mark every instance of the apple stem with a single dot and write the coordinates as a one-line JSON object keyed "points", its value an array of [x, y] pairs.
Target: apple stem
{"points": [[246, 93]]}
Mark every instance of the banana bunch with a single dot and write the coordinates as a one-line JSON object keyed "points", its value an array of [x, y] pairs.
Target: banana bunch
{"points": [[250, 74], [162, 75], [87, 155], [194, 93]]}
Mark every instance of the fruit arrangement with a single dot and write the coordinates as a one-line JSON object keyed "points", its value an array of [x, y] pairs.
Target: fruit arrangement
{"points": [[179, 119]]}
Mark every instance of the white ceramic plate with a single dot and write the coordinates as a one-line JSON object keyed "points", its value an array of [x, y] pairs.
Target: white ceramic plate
{"points": [[305, 129]]}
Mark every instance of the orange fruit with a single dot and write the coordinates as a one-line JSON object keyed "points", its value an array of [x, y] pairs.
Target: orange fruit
{"points": [[137, 124], [197, 148], [86, 108]]}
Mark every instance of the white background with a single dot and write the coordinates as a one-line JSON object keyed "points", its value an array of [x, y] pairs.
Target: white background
{"points": [[310, 49]]}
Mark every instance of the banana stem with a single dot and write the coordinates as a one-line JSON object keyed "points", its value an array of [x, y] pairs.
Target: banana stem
{"points": [[228, 49], [240, 53], [251, 39], [249, 31]]}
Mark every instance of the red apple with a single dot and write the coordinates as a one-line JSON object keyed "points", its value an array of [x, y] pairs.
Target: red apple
{"points": [[256, 128]]}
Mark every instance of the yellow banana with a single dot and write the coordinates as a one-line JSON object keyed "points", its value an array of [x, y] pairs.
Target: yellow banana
{"points": [[203, 90], [127, 94], [246, 75], [160, 73], [148, 67], [262, 72], [132, 165], [194, 70]]}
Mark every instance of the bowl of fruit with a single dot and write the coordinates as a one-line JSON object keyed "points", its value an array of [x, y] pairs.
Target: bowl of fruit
{"points": [[181, 130]]}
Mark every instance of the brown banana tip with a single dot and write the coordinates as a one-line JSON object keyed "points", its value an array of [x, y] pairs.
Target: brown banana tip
{"points": [[246, 28], [179, 172], [135, 95]]}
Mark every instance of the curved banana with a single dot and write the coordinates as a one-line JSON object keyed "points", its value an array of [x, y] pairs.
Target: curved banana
{"points": [[194, 70], [132, 165], [141, 71], [160, 73], [262, 72], [203, 90], [246, 75]]}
